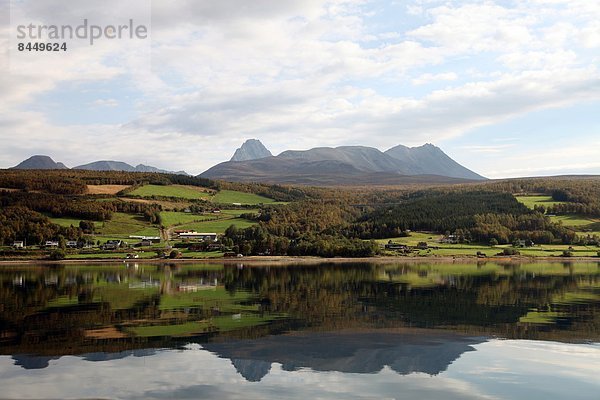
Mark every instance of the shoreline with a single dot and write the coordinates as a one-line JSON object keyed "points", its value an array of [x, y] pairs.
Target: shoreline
{"points": [[306, 260]]}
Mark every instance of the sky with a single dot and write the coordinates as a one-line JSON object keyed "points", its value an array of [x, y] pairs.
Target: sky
{"points": [[506, 88]]}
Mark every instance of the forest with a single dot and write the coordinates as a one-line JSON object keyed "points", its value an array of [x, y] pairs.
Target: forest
{"points": [[325, 222]]}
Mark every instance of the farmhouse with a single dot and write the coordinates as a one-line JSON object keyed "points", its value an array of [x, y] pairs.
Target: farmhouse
{"points": [[51, 243], [113, 244], [72, 244], [19, 245], [450, 239]]}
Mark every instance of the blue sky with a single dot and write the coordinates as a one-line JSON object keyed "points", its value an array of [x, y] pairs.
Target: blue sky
{"points": [[507, 88]]}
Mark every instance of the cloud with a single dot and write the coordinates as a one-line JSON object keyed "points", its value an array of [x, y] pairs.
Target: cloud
{"points": [[302, 73], [428, 78]]}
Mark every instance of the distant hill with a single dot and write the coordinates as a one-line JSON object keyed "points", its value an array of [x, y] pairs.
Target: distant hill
{"points": [[348, 165], [40, 162], [252, 149], [45, 162], [107, 166], [121, 166]]}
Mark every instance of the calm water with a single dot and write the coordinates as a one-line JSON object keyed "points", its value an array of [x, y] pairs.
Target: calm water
{"points": [[351, 331]]}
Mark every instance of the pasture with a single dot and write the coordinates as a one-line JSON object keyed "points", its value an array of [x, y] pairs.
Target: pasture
{"points": [[174, 218], [232, 196], [532, 201], [179, 191], [218, 226], [106, 189], [121, 226]]}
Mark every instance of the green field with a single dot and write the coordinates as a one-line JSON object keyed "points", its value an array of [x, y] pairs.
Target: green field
{"points": [[217, 226], [121, 226], [237, 213], [172, 218], [67, 222], [446, 249], [573, 220], [231, 196], [414, 239], [531, 201], [183, 192], [579, 222]]}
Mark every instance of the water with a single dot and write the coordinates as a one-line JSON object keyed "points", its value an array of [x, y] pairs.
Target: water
{"points": [[356, 331]]}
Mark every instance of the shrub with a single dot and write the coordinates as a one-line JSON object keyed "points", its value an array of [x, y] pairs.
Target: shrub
{"points": [[510, 252], [56, 255]]}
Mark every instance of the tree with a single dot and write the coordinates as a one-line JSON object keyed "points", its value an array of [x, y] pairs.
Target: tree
{"points": [[56, 255], [493, 242]]}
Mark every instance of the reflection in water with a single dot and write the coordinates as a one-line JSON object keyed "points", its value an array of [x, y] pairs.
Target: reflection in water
{"points": [[497, 369], [349, 352], [361, 319]]}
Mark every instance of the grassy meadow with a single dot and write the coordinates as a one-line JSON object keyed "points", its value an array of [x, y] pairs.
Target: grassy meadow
{"points": [[179, 191], [232, 196]]}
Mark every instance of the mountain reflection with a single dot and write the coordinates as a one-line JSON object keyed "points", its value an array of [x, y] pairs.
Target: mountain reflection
{"points": [[366, 352], [339, 317]]}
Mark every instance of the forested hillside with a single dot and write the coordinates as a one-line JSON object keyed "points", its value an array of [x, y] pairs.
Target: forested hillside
{"points": [[288, 220]]}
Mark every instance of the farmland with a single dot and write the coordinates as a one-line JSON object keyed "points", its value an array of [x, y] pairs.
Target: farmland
{"points": [[218, 226], [532, 201], [231, 196], [106, 189], [580, 223], [123, 225], [179, 191], [173, 218]]}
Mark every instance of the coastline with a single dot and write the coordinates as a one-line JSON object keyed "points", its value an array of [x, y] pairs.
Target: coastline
{"points": [[304, 260]]}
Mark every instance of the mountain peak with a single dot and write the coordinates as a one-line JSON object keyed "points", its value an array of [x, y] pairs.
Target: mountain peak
{"points": [[40, 162], [252, 149], [430, 159]]}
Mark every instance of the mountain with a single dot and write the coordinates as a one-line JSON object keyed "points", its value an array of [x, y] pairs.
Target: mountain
{"points": [[360, 157], [40, 162], [348, 165], [429, 159], [107, 166], [121, 166], [252, 149], [147, 168]]}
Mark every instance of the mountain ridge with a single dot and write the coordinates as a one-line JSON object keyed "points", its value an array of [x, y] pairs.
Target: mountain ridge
{"points": [[348, 165], [42, 162]]}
